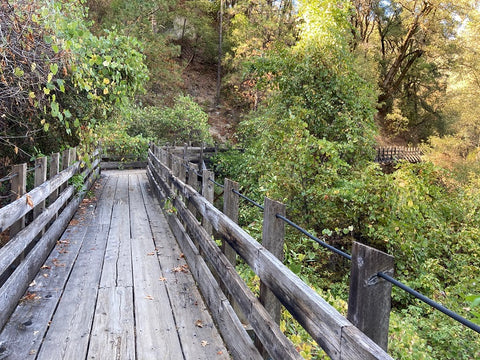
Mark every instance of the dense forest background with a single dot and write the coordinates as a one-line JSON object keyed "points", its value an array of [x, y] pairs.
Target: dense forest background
{"points": [[308, 89]]}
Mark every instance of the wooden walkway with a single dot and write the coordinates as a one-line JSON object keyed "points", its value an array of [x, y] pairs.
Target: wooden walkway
{"points": [[116, 286]]}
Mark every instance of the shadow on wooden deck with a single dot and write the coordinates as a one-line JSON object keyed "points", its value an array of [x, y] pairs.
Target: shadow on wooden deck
{"points": [[116, 286]]}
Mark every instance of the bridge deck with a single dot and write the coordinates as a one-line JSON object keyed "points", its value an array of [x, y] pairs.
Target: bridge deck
{"points": [[116, 286]]}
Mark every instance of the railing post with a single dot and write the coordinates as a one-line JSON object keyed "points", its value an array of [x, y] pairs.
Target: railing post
{"points": [[18, 187], [369, 301], [200, 160], [193, 182], [73, 156], [208, 193], [273, 238], [40, 177], [230, 208], [65, 164], [54, 168]]}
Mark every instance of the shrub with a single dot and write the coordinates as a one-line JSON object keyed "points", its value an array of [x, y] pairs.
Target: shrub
{"points": [[183, 123]]}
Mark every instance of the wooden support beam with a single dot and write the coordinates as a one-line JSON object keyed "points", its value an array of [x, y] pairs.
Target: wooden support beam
{"points": [[369, 301], [19, 188], [54, 169], [273, 239], [40, 177], [208, 192]]}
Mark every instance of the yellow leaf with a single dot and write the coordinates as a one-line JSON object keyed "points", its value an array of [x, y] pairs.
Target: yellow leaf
{"points": [[16, 150], [106, 81], [105, 91]]}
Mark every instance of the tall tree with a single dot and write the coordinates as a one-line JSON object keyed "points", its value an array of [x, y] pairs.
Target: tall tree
{"points": [[255, 27], [408, 39]]}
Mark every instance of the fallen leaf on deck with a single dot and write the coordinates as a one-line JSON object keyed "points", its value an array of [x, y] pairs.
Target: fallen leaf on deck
{"points": [[29, 297], [33, 283], [204, 343], [46, 267], [183, 268], [219, 352], [199, 323], [163, 279], [151, 253], [45, 275], [57, 263], [73, 222], [149, 297], [29, 201]]}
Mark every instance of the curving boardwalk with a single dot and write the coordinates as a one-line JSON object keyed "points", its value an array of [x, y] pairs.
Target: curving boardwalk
{"points": [[116, 286]]}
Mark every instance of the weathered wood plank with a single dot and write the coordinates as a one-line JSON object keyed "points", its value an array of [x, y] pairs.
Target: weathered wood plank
{"points": [[14, 287], [113, 330], [357, 346], [369, 298], [23, 334], [18, 187], [40, 177], [54, 168], [278, 346], [318, 317], [117, 265], [108, 165], [238, 342], [69, 331], [17, 209], [273, 239], [198, 334], [157, 337], [15, 247]]}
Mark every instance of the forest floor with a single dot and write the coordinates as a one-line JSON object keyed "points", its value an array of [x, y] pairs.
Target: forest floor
{"points": [[200, 82]]}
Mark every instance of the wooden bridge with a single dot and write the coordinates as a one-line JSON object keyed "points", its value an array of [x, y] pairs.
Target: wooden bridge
{"points": [[116, 284]]}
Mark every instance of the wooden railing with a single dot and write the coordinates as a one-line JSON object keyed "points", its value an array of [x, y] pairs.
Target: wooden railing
{"points": [[49, 206], [393, 154], [176, 183]]}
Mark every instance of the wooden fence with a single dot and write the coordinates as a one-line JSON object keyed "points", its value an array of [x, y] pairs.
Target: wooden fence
{"points": [[49, 206], [193, 219]]}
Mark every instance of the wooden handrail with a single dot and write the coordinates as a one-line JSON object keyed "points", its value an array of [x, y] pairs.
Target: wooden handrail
{"points": [[27, 249], [334, 333]]}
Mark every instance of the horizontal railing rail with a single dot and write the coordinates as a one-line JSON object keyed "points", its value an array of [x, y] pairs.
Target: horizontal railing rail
{"points": [[176, 183], [50, 205]]}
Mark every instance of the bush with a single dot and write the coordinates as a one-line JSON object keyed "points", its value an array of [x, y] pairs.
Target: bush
{"points": [[183, 123]]}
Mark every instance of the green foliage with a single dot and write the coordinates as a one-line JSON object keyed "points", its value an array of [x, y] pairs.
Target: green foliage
{"points": [[182, 123], [74, 79], [77, 181], [116, 142], [254, 29], [474, 303]]}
